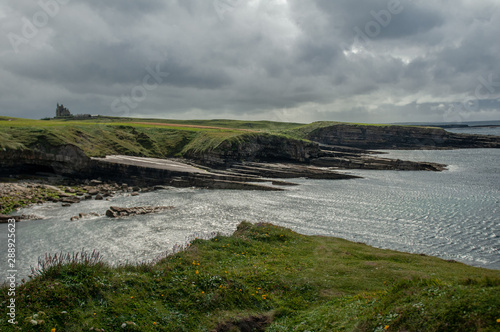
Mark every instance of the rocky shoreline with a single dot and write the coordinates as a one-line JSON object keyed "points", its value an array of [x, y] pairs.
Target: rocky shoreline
{"points": [[18, 193]]}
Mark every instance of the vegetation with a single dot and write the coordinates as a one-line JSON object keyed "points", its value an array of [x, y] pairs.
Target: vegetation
{"points": [[266, 277], [102, 136], [13, 201]]}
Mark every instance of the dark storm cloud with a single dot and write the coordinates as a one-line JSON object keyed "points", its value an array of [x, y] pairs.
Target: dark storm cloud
{"points": [[365, 60]]}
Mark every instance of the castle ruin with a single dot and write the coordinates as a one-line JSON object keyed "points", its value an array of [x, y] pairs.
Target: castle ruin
{"points": [[62, 111]]}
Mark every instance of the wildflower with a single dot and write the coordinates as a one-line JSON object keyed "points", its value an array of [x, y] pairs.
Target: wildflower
{"points": [[386, 327], [202, 292], [197, 272], [154, 323], [225, 271], [194, 262], [131, 297], [53, 330], [498, 320]]}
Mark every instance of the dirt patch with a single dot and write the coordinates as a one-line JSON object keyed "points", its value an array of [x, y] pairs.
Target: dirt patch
{"points": [[248, 324]]}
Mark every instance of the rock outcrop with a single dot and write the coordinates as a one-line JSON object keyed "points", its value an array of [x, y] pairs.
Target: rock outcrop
{"points": [[64, 159], [347, 160], [258, 147], [4, 219], [115, 211], [398, 137]]}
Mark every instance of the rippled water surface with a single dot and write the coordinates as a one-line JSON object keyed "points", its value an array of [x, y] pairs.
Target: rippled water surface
{"points": [[453, 214]]}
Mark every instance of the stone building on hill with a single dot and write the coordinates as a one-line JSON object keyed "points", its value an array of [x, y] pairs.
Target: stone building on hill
{"points": [[62, 111]]}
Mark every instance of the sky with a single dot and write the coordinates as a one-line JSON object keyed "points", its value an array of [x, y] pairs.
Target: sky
{"points": [[378, 61]]}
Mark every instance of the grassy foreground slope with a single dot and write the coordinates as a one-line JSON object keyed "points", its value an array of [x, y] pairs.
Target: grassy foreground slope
{"points": [[264, 277]]}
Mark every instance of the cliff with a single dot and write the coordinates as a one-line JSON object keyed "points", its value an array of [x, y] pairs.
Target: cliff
{"points": [[392, 137], [68, 148], [63, 159], [252, 147]]}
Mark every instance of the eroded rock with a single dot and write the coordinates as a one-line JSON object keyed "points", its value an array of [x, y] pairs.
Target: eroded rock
{"points": [[115, 211]]}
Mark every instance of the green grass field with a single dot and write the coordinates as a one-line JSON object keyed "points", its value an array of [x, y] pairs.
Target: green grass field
{"points": [[102, 136], [105, 136], [267, 276]]}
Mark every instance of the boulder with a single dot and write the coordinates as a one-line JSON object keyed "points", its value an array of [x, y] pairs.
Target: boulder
{"points": [[115, 211], [72, 199]]}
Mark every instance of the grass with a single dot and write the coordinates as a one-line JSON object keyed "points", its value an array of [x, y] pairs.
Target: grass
{"points": [[107, 136], [305, 131], [159, 138], [263, 275]]}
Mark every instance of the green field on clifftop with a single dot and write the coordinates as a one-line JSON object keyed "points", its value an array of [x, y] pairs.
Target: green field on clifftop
{"points": [[102, 136], [266, 277], [160, 138]]}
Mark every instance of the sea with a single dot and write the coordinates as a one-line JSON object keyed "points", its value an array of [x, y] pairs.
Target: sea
{"points": [[454, 214]]}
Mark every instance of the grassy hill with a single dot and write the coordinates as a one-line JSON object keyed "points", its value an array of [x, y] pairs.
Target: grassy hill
{"points": [[263, 277], [102, 136], [138, 137]]}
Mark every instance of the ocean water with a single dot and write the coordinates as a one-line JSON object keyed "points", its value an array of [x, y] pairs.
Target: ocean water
{"points": [[453, 214]]}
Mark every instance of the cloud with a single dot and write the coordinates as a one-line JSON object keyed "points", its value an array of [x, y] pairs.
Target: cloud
{"points": [[288, 60]]}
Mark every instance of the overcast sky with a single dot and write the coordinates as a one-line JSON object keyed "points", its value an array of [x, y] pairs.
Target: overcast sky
{"points": [[284, 60]]}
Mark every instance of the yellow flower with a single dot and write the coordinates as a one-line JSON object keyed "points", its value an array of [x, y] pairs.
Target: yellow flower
{"points": [[225, 271], [202, 292], [53, 330], [498, 320], [197, 272], [194, 262], [386, 327], [154, 323], [131, 297]]}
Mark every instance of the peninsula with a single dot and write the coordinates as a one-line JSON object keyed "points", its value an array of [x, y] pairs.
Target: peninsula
{"points": [[219, 154]]}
